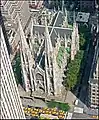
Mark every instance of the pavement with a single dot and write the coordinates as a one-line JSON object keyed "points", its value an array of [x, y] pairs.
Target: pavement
{"points": [[87, 110], [27, 100], [70, 98], [84, 85], [80, 116], [49, 116], [33, 102]]}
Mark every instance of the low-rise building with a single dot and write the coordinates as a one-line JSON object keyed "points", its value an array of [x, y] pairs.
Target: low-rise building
{"points": [[82, 17]]}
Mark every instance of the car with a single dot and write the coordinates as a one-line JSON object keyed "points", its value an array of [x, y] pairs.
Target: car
{"points": [[94, 116]]}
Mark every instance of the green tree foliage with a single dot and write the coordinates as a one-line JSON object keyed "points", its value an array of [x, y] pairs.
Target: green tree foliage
{"points": [[82, 41], [85, 35], [60, 55], [17, 68], [73, 74], [70, 26], [73, 71], [52, 104], [61, 106]]}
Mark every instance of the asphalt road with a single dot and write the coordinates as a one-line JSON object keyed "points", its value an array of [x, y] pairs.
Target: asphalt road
{"points": [[80, 116], [84, 86], [84, 83]]}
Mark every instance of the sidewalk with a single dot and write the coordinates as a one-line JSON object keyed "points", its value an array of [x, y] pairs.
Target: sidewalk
{"points": [[87, 110], [69, 99]]}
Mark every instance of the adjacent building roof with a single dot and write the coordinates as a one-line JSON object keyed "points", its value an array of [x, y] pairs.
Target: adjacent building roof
{"points": [[82, 17], [94, 74]]}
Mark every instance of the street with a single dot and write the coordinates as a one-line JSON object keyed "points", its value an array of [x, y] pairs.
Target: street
{"points": [[85, 77], [44, 112], [83, 91]]}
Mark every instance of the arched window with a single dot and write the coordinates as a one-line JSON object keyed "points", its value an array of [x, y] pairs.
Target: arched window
{"points": [[39, 77]]}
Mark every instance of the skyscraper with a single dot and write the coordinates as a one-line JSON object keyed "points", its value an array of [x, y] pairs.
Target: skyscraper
{"points": [[10, 11], [85, 5], [94, 88], [11, 106], [93, 97]]}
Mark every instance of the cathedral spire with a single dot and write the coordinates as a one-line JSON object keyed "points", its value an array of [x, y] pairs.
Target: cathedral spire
{"points": [[66, 19], [74, 17], [48, 37]]}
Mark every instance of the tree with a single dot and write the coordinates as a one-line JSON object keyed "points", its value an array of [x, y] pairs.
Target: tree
{"points": [[73, 71], [62, 106], [17, 68], [60, 55], [82, 41]]}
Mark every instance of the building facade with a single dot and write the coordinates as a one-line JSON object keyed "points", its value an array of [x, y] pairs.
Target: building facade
{"points": [[42, 65], [11, 106], [10, 11], [94, 88], [93, 97], [36, 4], [85, 5]]}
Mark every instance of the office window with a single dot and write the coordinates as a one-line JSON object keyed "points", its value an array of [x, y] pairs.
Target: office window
{"points": [[93, 93], [93, 97], [94, 90]]}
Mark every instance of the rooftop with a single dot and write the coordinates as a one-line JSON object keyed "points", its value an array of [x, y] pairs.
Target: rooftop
{"points": [[56, 30], [82, 17], [93, 81], [94, 74]]}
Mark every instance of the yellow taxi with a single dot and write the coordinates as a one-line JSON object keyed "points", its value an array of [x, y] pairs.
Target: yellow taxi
{"points": [[34, 109], [33, 115], [25, 108], [29, 109], [33, 112], [25, 111], [49, 112], [36, 112], [28, 112], [39, 110], [61, 117], [57, 113], [54, 112], [61, 113], [43, 111], [95, 116]]}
